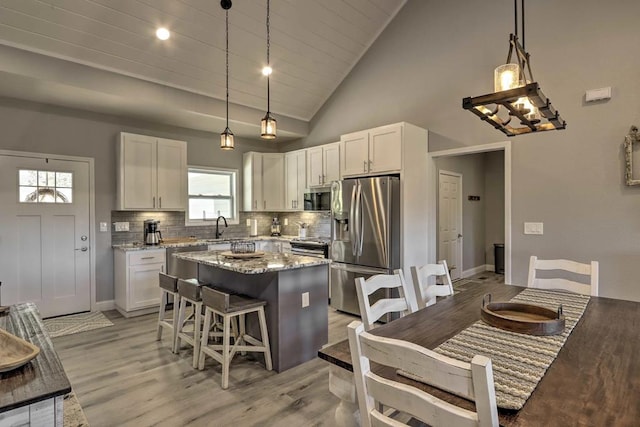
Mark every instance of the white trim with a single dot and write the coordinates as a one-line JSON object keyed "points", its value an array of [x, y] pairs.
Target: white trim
{"points": [[495, 146], [92, 207], [473, 271], [460, 217], [104, 305]]}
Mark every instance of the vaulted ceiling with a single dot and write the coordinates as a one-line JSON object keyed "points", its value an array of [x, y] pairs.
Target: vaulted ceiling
{"points": [[73, 47]]}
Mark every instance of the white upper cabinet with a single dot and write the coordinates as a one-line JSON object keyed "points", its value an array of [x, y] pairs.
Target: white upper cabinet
{"points": [[296, 179], [152, 173], [372, 151], [323, 165], [263, 182]]}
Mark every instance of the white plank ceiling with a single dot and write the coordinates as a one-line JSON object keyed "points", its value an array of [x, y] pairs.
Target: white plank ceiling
{"points": [[314, 44]]}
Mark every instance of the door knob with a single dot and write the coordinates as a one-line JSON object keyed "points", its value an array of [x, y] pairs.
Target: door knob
{"points": [[83, 249], [459, 235]]}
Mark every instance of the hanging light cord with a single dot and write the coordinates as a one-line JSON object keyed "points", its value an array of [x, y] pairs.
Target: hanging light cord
{"points": [[268, 59], [227, 62], [515, 16]]}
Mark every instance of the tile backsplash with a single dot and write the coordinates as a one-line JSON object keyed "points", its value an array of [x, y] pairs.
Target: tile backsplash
{"points": [[172, 225]]}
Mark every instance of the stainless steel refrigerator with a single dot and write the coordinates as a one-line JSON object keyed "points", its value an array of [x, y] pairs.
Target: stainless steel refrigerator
{"points": [[365, 236]]}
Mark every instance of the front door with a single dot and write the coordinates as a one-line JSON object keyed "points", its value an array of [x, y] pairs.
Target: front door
{"points": [[44, 234], [450, 221]]}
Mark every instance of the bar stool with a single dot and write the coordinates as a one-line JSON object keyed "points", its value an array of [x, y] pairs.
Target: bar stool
{"points": [[168, 286], [228, 307], [190, 292]]}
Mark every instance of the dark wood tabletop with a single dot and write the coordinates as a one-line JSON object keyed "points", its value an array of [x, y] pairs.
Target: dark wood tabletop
{"points": [[594, 381], [42, 377]]}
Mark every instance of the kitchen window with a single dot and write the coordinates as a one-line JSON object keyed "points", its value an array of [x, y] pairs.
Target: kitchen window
{"points": [[212, 192]]}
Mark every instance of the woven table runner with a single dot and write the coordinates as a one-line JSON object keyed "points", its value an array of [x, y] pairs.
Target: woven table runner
{"points": [[519, 361]]}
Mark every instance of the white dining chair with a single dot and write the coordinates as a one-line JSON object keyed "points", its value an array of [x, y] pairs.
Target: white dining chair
{"points": [[590, 270], [472, 381], [405, 303], [426, 293]]}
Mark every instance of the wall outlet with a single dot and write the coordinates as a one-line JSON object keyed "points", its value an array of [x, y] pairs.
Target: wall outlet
{"points": [[121, 226], [305, 299], [533, 228], [104, 227], [285, 221], [248, 222]]}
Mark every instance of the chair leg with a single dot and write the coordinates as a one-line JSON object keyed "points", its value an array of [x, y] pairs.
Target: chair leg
{"points": [[243, 331], [161, 315], [265, 339], [226, 325], [197, 307], [176, 311], [205, 338], [178, 327]]}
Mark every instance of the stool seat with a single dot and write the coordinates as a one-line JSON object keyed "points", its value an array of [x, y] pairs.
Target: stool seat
{"points": [[190, 288], [170, 283], [224, 302]]}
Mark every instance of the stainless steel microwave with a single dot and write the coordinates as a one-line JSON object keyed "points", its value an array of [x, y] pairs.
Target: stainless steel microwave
{"points": [[317, 199]]}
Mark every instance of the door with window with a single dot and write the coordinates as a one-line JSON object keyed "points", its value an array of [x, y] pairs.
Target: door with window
{"points": [[44, 234]]}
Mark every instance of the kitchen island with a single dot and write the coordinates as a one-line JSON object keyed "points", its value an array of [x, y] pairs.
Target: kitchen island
{"points": [[296, 289]]}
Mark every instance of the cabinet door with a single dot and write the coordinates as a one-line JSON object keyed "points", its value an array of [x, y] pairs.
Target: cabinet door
{"points": [[295, 179], [314, 166], [252, 182], [273, 181], [331, 161], [143, 285], [385, 149], [172, 175], [354, 153], [137, 185]]}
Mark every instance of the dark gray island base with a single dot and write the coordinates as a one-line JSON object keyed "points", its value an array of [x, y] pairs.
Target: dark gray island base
{"points": [[296, 333]]}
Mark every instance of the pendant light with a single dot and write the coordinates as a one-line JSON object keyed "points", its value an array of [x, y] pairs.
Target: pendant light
{"points": [[226, 137], [268, 123], [516, 94]]}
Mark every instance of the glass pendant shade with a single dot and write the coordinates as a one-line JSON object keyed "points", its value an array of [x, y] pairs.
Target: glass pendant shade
{"points": [[530, 111], [226, 140], [268, 127], [507, 76]]}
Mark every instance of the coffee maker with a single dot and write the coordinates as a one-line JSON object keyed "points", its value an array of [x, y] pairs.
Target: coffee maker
{"points": [[275, 227], [152, 235]]}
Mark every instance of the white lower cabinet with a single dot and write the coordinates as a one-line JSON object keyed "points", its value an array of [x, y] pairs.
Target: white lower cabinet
{"points": [[136, 280]]}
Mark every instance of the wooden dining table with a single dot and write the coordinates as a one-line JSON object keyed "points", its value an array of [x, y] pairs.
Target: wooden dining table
{"points": [[594, 381]]}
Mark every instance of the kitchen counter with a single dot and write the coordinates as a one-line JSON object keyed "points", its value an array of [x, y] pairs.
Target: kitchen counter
{"points": [[186, 242], [269, 262], [295, 288]]}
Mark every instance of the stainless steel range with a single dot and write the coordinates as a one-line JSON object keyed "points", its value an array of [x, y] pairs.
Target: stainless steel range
{"points": [[310, 246]]}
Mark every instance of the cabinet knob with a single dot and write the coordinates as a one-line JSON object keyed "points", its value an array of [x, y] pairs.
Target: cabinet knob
{"points": [[154, 202], [364, 166], [160, 202]]}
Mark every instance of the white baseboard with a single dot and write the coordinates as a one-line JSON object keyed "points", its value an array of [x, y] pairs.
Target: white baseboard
{"points": [[479, 269], [105, 305]]}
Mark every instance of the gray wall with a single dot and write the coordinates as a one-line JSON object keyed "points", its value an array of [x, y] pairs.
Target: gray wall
{"points": [[435, 53], [494, 202], [54, 130]]}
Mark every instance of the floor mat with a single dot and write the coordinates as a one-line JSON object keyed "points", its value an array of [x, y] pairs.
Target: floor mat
{"points": [[73, 414], [82, 322]]}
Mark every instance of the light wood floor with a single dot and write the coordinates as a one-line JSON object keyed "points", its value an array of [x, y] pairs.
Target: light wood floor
{"points": [[123, 377]]}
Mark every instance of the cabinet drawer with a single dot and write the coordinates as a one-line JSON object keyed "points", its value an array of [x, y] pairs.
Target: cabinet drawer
{"points": [[147, 257]]}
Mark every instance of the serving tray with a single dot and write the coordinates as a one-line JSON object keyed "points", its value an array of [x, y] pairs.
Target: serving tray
{"points": [[14, 351], [229, 254], [522, 318]]}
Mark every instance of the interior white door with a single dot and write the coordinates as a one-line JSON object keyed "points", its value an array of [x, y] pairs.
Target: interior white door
{"points": [[450, 221], [44, 234]]}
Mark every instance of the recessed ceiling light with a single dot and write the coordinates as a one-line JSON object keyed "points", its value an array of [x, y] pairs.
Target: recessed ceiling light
{"points": [[162, 33], [267, 70]]}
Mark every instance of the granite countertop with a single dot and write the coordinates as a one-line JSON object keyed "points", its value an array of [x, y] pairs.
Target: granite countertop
{"points": [[270, 262], [186, 242]]}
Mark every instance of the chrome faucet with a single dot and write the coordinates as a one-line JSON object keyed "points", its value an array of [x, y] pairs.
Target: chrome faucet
{"points": [[218, 232]]}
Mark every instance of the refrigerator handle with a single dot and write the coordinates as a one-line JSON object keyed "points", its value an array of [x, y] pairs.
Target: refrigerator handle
{"points": [[357, 219], [360, 220], [352, 220]]}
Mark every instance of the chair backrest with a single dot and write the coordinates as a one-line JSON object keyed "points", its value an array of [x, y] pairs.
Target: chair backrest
{"points": [[404, 304], [215, 299], [472, 381], [590, 270], [425, 293]]}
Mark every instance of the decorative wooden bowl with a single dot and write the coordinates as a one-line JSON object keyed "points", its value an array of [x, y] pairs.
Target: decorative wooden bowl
{"points": [[229, 254], [14, 351], [522, 318]]}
